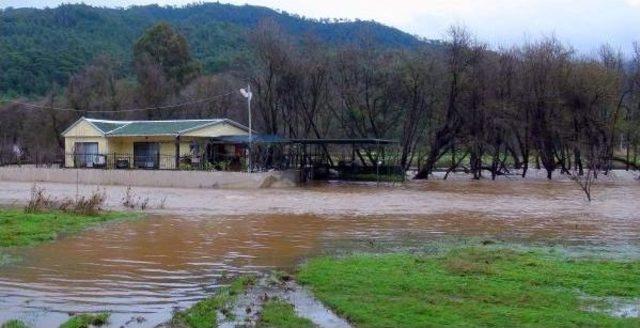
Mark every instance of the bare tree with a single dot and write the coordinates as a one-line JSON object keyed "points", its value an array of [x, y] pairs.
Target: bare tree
{"points": [[461, 55]]}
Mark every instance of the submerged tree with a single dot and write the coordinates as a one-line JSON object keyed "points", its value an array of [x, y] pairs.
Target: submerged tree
{"points": [[461, 55]]}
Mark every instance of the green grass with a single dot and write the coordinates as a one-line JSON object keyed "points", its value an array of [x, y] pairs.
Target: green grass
{"points": [[87, 320], [279, 314], [14, 324], [26, 229], [471, 287], [203, 314]]}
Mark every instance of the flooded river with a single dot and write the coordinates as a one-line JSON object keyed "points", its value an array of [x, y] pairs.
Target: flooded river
{"points": [[178, 254]]}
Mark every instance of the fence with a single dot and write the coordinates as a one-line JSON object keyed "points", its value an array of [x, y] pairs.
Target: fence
{"points": [[312, 164], [45, 159], [124, 161]]}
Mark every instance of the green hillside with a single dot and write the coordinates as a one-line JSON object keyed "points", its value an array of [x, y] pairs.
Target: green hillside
{"points": [[40, 48]]}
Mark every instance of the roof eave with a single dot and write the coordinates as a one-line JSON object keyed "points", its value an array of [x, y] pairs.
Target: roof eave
{"points": [[224, 120], [143, 135], [64, 133], [195, 128]]}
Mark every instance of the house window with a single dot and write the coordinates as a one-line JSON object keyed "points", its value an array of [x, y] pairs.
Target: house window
{"points": [[146, 155], [86, 154]]}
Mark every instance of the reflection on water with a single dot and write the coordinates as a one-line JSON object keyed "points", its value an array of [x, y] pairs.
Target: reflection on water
{"points": [[149, 266]]}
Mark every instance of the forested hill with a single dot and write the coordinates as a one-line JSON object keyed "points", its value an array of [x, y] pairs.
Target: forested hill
{"points": [[41, 48]]}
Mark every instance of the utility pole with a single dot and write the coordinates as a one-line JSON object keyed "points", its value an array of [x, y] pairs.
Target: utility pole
{"points": [[247, 94]]}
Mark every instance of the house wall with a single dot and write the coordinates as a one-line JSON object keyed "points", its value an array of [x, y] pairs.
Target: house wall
{"points": [[124, 146], [69, 146], [82, 132], [84, 129]]}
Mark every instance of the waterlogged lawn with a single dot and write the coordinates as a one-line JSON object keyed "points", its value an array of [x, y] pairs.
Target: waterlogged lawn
{"points": [[18, 228], [14, 324], [204, 313], [280, 314], [87, 320], [472, 287]]}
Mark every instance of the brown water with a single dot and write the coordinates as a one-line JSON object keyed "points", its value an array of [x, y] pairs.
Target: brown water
{"points": [[148, 267]]}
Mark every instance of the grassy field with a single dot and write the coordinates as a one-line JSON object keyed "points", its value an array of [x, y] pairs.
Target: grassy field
{"points": [[14, 324], [87, 320], [84, 320], [279, 314], [204, 313], [18, 228], [473, 287]]}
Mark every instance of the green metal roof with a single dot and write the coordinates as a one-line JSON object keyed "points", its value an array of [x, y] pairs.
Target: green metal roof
{"points": [[159, 127], [107, 126], [152, 128]]}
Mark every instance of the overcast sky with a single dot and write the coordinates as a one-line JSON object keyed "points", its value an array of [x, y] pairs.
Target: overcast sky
{"points": [[585, 24]]}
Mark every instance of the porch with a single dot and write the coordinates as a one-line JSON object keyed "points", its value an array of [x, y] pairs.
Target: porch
{"points": [[158, 153]]}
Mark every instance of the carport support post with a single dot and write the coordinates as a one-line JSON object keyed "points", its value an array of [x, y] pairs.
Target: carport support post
{"points": [[177, 152], [353, 155]]}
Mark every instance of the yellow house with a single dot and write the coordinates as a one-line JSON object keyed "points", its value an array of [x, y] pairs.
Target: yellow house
{"points": [[169, 144]]}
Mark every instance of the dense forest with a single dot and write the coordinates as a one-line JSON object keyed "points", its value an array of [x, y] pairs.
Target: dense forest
{"points": [[42, 48], [454, 105]]}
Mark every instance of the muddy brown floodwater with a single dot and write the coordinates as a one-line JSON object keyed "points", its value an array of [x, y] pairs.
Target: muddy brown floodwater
{"points": [[177, 255]]}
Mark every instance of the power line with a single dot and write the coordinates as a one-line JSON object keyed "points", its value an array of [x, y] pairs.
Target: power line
{"points": [[32, 106]]}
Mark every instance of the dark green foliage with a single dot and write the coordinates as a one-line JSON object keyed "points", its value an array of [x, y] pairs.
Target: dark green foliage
{"points": [[42, 48], [162, 46]]}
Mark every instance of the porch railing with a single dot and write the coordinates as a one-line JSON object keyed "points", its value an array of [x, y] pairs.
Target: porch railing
{"points": [[126, 161]]}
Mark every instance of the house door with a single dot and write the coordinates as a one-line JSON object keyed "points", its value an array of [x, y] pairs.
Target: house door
{"points": [[86, 154], [146, 155]]}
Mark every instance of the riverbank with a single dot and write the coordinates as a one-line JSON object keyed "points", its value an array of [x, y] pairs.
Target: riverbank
{"points": [[18, 228], [481, 286]]}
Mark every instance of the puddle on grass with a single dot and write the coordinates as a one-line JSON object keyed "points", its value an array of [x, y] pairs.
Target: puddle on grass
{"points": [[614, 306], [631, 310], [151, 266]]}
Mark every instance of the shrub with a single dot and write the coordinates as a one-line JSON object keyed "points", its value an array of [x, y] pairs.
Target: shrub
{"points": [[91, 205], [38, 200], [131, 200], [128, 199]]}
